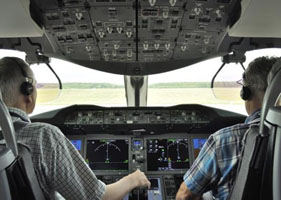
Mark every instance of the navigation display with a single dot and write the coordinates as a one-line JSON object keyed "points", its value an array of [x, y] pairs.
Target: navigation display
{"points": [[198, 143], [77, 144], [108, 154], [167, 154]]}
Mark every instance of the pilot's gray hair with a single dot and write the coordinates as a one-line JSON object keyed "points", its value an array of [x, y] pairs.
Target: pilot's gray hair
{"points": [[11, 78], [255, 76]]}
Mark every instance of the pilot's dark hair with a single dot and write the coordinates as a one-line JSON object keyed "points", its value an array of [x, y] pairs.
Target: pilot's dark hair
{"points": [[11, 78], [255, 76]]}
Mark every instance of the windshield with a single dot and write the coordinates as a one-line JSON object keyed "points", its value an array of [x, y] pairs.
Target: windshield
{"points": [[189, 85]]}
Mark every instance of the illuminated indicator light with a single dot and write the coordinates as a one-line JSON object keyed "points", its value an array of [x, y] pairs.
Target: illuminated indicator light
{"points": [[88, 48], [129, 34], [165, 14], [157, 46], [197, 10], [79, 15], [101, 34], [116, 46], [183, 48], [172, 2], [152, 2], [145, 46], [109, 30], [167, 46], [119, 29], [206, 40]]}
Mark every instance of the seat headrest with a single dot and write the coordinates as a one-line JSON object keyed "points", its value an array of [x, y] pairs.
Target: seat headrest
{"points": [[7, 128], [274, 70], [272, 92]]}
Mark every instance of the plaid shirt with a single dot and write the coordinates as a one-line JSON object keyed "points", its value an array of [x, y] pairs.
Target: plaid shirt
{"points": [[59, 167], [215, 167]]}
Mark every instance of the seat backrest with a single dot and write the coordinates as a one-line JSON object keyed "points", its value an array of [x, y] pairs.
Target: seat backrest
{"points": [[17, 175], [253, 180], [273, 120]]}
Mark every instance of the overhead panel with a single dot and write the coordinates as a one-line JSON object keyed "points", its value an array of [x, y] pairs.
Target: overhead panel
{"points": [[71, 29], [133, 37], [114, 27], [203, 28], [137, 31], [159, 26]]}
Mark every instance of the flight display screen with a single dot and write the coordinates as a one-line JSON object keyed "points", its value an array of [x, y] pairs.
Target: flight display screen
{"points": [[167, 154], [198, 143], [108, 154], [77, 144]]}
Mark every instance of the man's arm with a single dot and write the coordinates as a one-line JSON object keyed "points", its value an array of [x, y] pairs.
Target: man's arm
{"points": [[185, 194], [119, 189]]}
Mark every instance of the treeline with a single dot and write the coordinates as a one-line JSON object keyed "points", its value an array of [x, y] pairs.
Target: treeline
{"points": [[181, 85], [90, 85], [109, 85]]}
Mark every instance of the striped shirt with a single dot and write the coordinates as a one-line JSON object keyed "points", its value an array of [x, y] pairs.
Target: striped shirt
{"points": [[215, 167], [59, 167]]}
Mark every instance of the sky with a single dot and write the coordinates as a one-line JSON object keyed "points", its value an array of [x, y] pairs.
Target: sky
{"points": [[69, 72]]}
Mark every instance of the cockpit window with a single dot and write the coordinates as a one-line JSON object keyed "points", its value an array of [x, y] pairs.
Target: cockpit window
{"points": [[189, 85], [84, 86]]}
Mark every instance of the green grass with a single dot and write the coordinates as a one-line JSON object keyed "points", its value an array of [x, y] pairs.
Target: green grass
{"points": [[181, 85], [156, 96]]}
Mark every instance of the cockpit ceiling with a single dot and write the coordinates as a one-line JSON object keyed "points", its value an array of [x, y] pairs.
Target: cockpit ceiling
{"points": [[135, 37]]}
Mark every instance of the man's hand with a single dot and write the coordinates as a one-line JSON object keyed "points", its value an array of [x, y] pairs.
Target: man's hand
{"points": [[185, 194], [138, 179], [120, 188]]}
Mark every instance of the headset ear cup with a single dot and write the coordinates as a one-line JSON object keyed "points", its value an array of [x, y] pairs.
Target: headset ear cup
{"points": [[245, 93], [26, 88]]}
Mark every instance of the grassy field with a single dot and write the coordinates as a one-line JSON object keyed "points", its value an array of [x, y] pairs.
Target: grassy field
{"points": [[156, 96]]}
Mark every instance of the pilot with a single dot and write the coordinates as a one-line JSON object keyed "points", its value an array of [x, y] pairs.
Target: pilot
{"points": [[58, 165], [215, 167]]}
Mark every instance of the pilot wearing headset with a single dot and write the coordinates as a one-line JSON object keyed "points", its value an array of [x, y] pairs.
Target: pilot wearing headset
{"points": [[215, 167], [59, 167]]}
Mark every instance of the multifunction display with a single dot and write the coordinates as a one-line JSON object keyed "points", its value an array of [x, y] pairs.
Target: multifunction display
{"points": [[108, 154], [167, 154], [198, 143], [77, 144]]}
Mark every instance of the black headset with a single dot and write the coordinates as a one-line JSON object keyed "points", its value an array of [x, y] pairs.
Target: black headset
{"points": [[26, 87], [245, 92]]}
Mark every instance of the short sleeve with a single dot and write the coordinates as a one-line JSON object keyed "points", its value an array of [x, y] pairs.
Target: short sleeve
{"points": [[204, 172], [70, 175]]}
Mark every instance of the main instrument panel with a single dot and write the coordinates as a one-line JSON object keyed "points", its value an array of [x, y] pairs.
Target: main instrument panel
{"points": [[164, 159], [163, 142]]}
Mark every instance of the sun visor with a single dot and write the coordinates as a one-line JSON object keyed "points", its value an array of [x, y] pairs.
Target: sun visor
{"points": [[16, 20], [259, 18]]}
